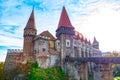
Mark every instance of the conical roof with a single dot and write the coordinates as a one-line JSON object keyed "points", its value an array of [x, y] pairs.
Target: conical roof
{"points": [[79, 36], [31, 21], [95, 41], [64, 20], [89, 42]]}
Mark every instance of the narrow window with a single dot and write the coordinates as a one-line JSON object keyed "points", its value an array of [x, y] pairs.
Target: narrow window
{"points": [[67, 43]]}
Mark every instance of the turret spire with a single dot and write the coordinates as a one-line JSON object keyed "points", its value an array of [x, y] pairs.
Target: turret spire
{"points": [[64, 20], [31, 21], [94, 40], [89, 42], [95, 44], [64, 26]]}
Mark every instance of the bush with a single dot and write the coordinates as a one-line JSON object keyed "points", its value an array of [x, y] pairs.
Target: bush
{"points": [[54, 73]]}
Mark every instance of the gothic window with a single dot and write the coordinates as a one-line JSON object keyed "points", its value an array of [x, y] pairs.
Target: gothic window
{"points": [[67, 43]]}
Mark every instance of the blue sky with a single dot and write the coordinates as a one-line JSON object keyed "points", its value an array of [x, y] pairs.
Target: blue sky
{"points": [[99, 18]]}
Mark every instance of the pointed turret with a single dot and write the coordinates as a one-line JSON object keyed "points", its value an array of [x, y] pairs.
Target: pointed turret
{"points": [[78, 37], [64, 26], [89, 42], [31, 21], [85, 40], [30, 32], [95, 44], [94, 40]]}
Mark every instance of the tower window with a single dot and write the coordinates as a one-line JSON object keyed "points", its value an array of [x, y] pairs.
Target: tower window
{"points": [[58, 44], [67, 43], [43, 49]]}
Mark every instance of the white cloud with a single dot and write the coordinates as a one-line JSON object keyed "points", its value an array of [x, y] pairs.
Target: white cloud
{"points": [[3, 55], [10, 41], [102, 22]]}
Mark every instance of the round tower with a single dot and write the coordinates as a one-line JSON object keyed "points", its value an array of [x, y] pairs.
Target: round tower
{"points": [[30, 32]]}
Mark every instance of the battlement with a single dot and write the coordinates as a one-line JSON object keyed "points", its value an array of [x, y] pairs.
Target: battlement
{"points": [[14, 50]]}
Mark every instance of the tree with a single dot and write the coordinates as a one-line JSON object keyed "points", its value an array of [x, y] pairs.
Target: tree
{"points": [[54, 73], [116, 71], [2, 76], [114, 54], [26, 68]]}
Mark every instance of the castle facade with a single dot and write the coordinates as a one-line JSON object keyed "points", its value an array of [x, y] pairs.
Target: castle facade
{"points": [[48, 50]]}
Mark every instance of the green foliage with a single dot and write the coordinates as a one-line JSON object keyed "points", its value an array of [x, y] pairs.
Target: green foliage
{"points": [[33, 72], [35, 65], [2, 76], [117, 78], [116, 71], [91, 78], [54, 73]]}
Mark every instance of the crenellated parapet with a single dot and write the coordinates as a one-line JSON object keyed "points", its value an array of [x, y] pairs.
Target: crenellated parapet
{"points": [[14, 50]]}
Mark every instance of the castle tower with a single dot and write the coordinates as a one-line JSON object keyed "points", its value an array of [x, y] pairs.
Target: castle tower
{"points": [[29, 34], [95, 44], [96, 50], [65, 33]]}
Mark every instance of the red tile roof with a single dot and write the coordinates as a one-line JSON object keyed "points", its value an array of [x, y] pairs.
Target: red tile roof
{"points": [[47, 34], [43, 33], [79, 36], [64, 20], [85, 40]]}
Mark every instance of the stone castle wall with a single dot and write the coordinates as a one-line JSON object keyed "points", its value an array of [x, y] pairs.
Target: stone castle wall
{"points": [[13, 55]]}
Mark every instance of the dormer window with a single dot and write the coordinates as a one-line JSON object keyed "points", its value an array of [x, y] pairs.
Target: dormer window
{"points": [[67, 43]]}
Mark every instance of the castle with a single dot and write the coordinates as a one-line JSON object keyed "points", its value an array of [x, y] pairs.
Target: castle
{"points": [[48, 50]]}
